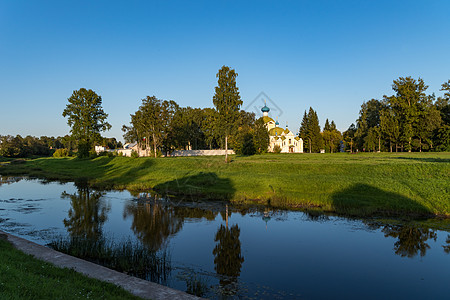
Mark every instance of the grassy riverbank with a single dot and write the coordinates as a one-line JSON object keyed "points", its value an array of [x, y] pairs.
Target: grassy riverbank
{"points": [[355, 184], [24, 277]]}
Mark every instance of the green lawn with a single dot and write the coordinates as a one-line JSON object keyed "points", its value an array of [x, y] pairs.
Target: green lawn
{"points": [[24, 277], [356, 184]]}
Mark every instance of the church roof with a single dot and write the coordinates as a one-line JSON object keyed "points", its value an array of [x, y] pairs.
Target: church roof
{"points": [[267, 119], [276, 131]]}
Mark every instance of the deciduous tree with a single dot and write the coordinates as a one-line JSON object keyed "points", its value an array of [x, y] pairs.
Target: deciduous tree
{"points": [[227, 102], [86, 117]]}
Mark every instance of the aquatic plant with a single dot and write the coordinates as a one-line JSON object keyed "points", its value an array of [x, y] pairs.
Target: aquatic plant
{"points": [[129, 257]]}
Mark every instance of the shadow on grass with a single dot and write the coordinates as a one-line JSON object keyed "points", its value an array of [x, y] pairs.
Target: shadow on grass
{"points": [[426, 159], [135, 169], [366, 200], [205, 185]]}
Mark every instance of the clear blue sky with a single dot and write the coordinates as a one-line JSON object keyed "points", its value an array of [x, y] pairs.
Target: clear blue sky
{"points": [[331, 55]]}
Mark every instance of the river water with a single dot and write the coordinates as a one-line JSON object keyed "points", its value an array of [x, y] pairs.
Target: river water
{"points": [[246, 253]]}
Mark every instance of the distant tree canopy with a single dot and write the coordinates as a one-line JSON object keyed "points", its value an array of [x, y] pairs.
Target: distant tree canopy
{"points": [[18, 146], [409, 120], [86, 118]]}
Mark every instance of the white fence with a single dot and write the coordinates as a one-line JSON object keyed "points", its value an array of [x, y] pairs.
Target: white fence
{"points": [[200, 152]]}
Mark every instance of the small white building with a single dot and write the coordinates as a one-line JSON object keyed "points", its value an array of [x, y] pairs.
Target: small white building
{"points": [[283, 138], [128, 148], [99, 149]]}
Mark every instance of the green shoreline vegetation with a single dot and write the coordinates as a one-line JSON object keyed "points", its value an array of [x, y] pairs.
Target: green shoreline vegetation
{"points": [[25, 277], [363, 184]]}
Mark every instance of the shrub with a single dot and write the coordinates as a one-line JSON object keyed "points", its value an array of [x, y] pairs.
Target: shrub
{"points": [[103, 153], [276, 149], [61, 153], [93, 154], [83, 149], [244, 143], [248, 147], [134, 154]]}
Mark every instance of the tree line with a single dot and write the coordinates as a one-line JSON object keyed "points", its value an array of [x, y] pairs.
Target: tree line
{"points": [[19, 147], [409, 120], [161, 126]]}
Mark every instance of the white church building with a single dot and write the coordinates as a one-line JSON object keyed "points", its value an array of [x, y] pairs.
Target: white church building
{"points": [[284, 138]]}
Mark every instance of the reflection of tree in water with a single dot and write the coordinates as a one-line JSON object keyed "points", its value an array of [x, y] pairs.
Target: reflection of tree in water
{"points": [[195, 213], [153, 222], [411, 239], [9, 180], [447, 247], [227, 257], [87, 214]]}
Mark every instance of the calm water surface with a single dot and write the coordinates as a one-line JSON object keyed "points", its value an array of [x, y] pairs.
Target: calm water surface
{"points": [[254, 253]]}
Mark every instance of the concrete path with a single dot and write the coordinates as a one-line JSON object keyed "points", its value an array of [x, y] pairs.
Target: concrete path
{"points": [[136, 286]]}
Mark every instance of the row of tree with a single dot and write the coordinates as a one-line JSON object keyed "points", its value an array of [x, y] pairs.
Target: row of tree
{"points": [[18, 146], [163, 126], [409, 120]]}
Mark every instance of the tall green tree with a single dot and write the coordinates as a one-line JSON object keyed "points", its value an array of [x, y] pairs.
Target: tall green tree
{"points": [[327, 126], [152, 123], [86, 118], [331, 137], [348, 137], [390, 127], [369, 117], [407, 104], [310, 131], [429, 121], [227, 102], [304, 132], [314, 126], [443, 103], [260, 136]]}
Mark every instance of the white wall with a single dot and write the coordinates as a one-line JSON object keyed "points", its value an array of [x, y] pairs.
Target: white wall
{"points": [[200, 152]]}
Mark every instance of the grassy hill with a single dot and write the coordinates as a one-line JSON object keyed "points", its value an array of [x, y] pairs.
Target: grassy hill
{"points": [[355, 184]]}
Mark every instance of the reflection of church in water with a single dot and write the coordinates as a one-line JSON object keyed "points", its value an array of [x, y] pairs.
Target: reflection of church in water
{"points": [[283, 138]]}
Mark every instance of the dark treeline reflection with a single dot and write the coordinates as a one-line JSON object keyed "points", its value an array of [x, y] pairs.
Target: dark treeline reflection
{"points": [[155, 220], [87, 214], [228, 258], [9, 179], [411, 239], [447, 246]]}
